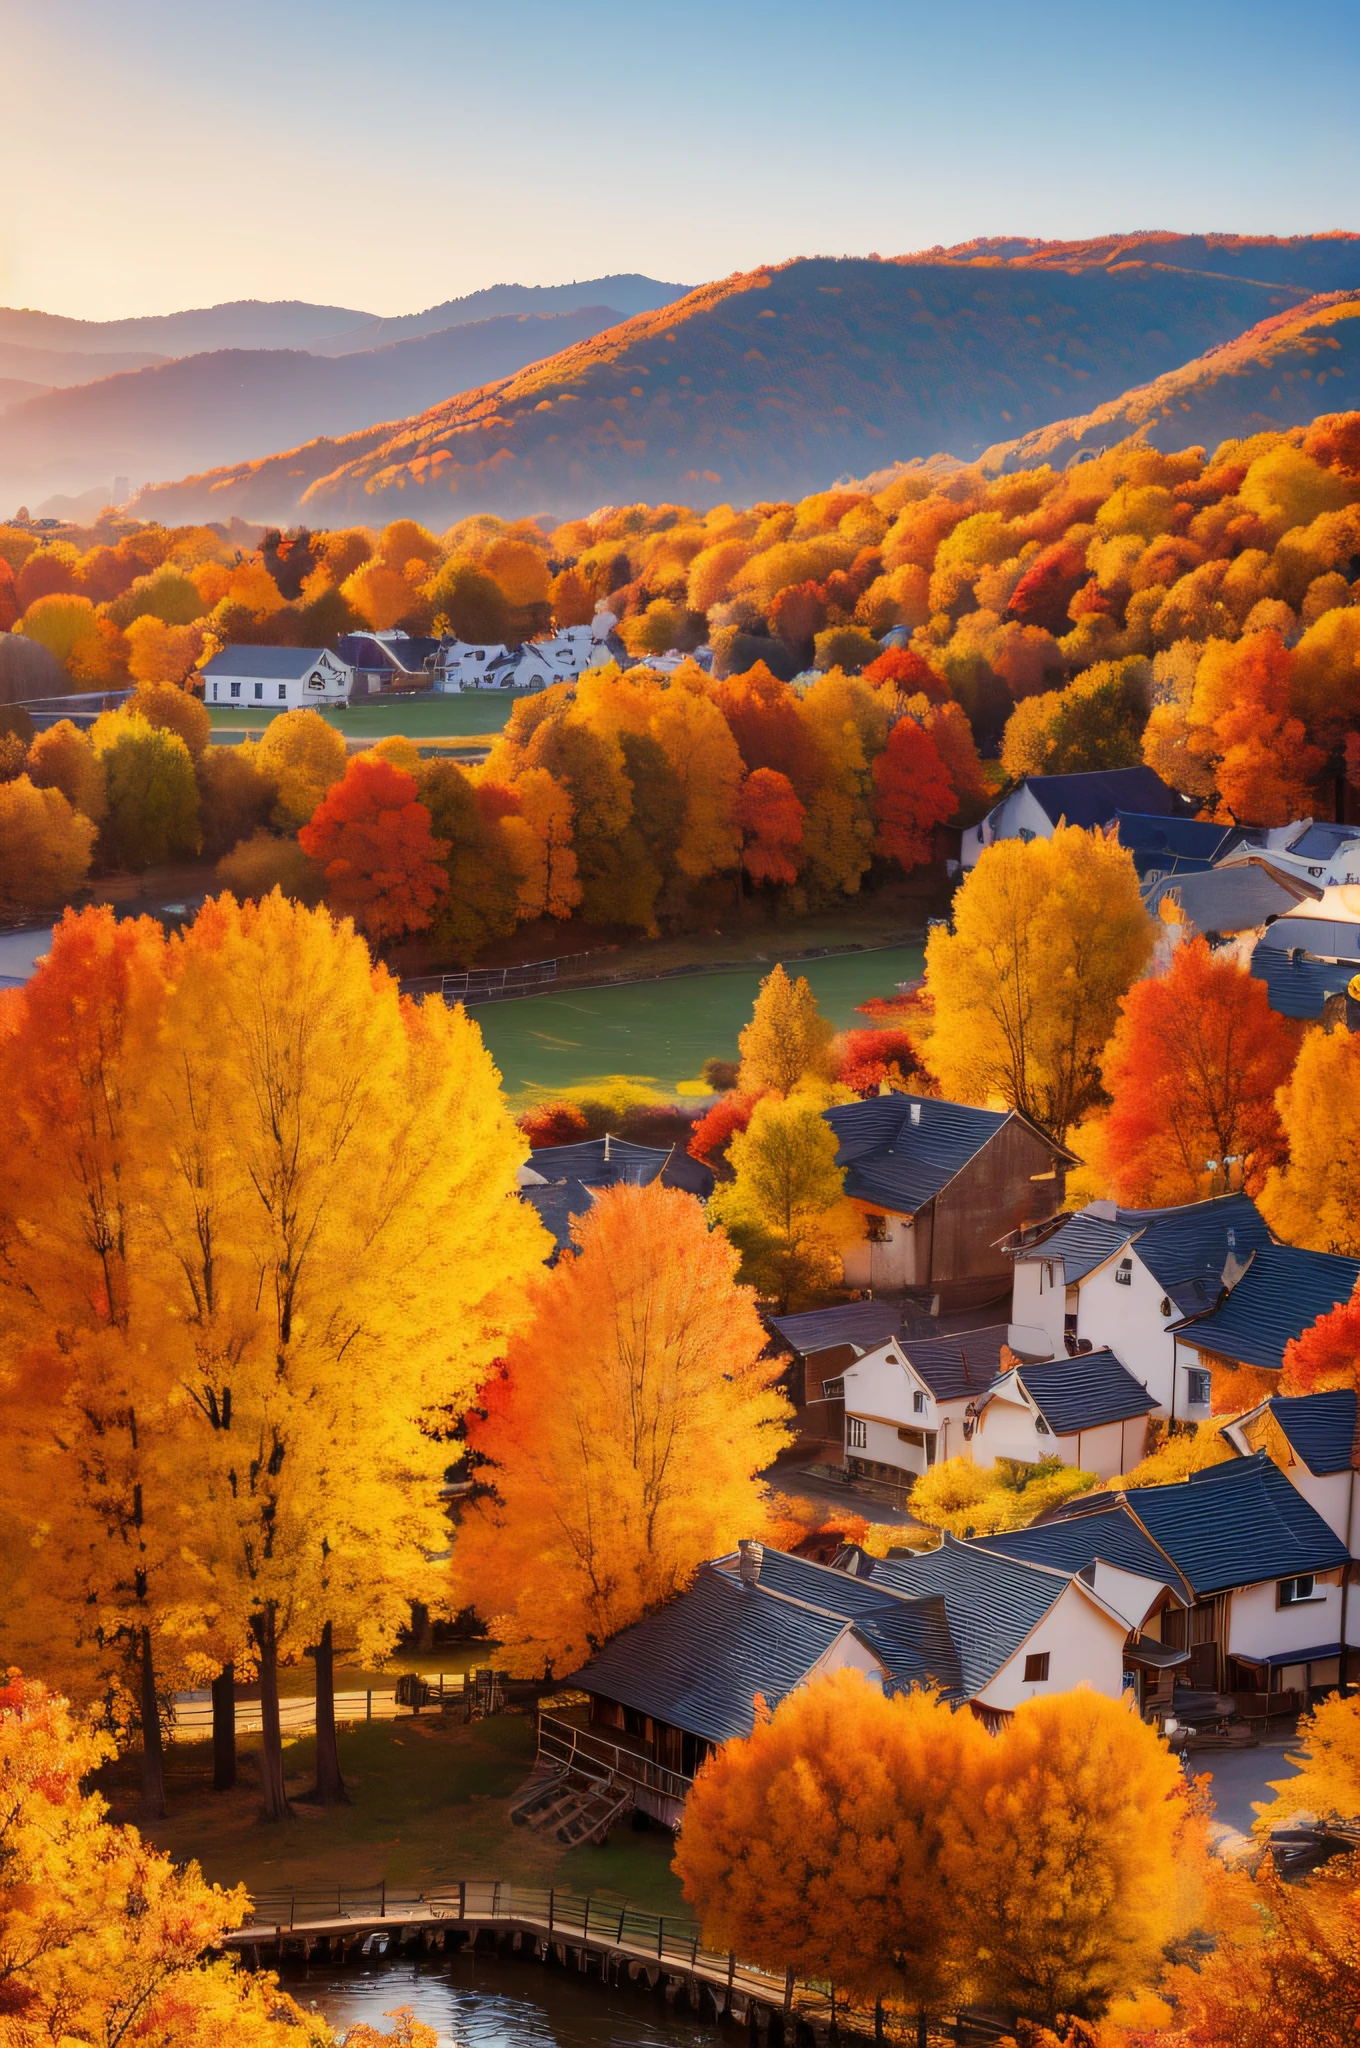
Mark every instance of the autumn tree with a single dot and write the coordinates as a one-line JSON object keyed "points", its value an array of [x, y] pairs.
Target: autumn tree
{"points": [[822, 1842], [1192, 1070], [1096, 722], [716, 1128], [164, 704], [865, 1059], [621, 1442], [1327, 1779], [770, 819], [1327, 1354], [780, 1210], [64, 758], [266, 861], [787, 1041], [152, 811], [235, 796], [45, 846], [371, 838], [1047, 937], [912, 795], [102, 1937], [302, 756], [1314, 1198]]}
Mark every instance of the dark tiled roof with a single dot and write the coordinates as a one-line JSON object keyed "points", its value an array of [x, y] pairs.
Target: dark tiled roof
{"points": [[288, 662], [1082, 1243], [1097, 798], [1321, 841], [1236, 1525], [992, 1602], [615, 1162], [958, 1368], [1325, 938], [1231, 899], [407, 657], [1282, 1293], [556, 1205], [1157, 841], [1320, 1428], [1178, 1246], [1082, 1392], [910, 1635], [1297, 988], [862, 1323], [891, 1160], [1109, 1534]]}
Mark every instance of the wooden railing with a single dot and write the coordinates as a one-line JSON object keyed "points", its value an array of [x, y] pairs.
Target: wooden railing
{"points": [[572, 1748]]}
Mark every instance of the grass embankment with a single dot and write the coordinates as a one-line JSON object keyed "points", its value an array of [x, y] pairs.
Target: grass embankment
{"points": [[480, 714], [430, 1804]]}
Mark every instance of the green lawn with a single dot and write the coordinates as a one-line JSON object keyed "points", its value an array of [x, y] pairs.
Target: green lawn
{"points": [[429, 1805], [435, 718]]}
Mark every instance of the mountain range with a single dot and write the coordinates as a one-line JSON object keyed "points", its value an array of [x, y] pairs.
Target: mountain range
{"points": [[772, 381]]}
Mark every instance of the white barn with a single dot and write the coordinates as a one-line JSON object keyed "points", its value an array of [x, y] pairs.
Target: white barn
{"points": [[277, 678]]}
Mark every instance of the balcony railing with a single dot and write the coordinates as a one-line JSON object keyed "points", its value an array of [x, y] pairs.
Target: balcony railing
{"points": [[573, 1748]]}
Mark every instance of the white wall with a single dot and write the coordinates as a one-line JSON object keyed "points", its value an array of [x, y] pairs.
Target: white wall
{"points": [[282, 693], [1019, 812], [848, 1653], [1039, 1298], [1008, 1431], [887, 1265], [1131, 1594], [1258, 1627], [1130, 1321], [1085, 1647], [1330, 1494]]}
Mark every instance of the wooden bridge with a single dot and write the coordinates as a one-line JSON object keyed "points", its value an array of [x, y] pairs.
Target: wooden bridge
{"points": [[589, 1935]]}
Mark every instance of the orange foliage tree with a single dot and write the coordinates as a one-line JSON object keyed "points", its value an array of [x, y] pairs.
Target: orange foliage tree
{"points": [[623, 1438], [371, 836], [1327, 1354], [770, 820], [1192, 1070], [912, 795]]}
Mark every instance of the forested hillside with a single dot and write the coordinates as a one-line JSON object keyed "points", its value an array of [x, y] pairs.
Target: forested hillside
{"points": [[769, 383]]}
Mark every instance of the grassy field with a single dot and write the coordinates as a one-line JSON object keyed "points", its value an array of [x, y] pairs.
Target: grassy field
{"points": [[430, 1804], [479, 714]]}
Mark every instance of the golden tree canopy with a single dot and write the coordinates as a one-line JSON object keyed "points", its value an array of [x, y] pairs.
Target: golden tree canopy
{"points": [[787, 1040]]}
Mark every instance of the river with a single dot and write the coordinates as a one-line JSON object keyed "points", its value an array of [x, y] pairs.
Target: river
{"points": [[661, 1032], [479, 2001]]}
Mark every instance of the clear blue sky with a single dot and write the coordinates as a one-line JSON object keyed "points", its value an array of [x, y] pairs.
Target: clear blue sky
{"points": [[387, 154]]}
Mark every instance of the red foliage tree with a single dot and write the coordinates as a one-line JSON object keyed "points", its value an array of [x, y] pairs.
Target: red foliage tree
{"points": [[9, 602], [902, 673], [1047, 588], [1192, 1070], [553, 1123], [770, 820], [372, 839], [798, 614], [765, 718], [912, 794], [1327, 1355], [865, 1058], [715, 1130]]}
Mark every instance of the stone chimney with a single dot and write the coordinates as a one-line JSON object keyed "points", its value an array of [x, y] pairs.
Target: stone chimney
{"points": [[750, 1557]]}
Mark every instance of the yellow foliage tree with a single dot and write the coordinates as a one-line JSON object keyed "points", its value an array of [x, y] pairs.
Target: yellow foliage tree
{"points": [[788, 1041], [781, 1209], [1328, 1776], [624, 1437], [163, 654], [45, 846], [1314, 1200], [976, 1500], [1047, 937], [302, 756]]}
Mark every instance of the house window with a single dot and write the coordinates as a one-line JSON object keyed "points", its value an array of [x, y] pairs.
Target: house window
{"points": [[915, 1437], [916, 1112], [1042, 1426], [918, 1404], [1198, 1386], [259, 692], [833, 1390], [856, 1433], [1124, 1277], [214, 693], [283, 693], [236, 689], [316, 682], [876, 1229], [1297, 1592], [1036, 1669]]}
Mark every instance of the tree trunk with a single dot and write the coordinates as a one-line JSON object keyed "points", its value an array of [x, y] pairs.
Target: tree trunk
{"points": [[153, 1750], [878, 2019], [922, 2031], [271, 1753], [330, 1786], [224, 1728]]}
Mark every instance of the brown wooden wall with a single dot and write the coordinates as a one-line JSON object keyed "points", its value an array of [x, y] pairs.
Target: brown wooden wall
{"points": [[993, 1195]]}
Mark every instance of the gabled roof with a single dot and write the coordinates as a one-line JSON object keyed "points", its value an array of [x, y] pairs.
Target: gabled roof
{"points": [[615, 1162], [1185, 1249], [1231, 899], [1236, 1524], [900, 1150], [1319, 1428], [1298, 988], [1323, 840], [992, 1602], [557, 1204], [864, 1324], [699, 1662], [1079, 1393], [1282, 1293], [1158, 841], [283, 664], [1097, 798], [961, 1367], [1109, 1534], [406, 656]]}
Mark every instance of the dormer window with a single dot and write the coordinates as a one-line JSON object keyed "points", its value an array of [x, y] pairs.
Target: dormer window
{"points": [[1232, 1240], [916, 1112], [1124, 1276], [1041, 1426]]}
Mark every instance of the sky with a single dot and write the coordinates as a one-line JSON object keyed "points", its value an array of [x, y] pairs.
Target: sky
{"points": [[385, 155]]}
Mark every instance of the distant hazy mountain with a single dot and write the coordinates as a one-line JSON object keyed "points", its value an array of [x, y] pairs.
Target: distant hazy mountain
{"points": [[768, 383], [45, 367], [629, 293], [1281, 373], [238, 403]]}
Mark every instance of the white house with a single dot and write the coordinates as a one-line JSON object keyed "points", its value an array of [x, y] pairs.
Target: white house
{"points": [[1313, 850], [1088, 1411], [277, 678], [535, 665], [1312, 1438], [909, 1402], [1122, 1279], [1040, 803], [1237, 1343]]}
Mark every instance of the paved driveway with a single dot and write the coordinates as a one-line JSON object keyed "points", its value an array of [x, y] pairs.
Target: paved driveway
{"points": [[1241, 1776]]}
